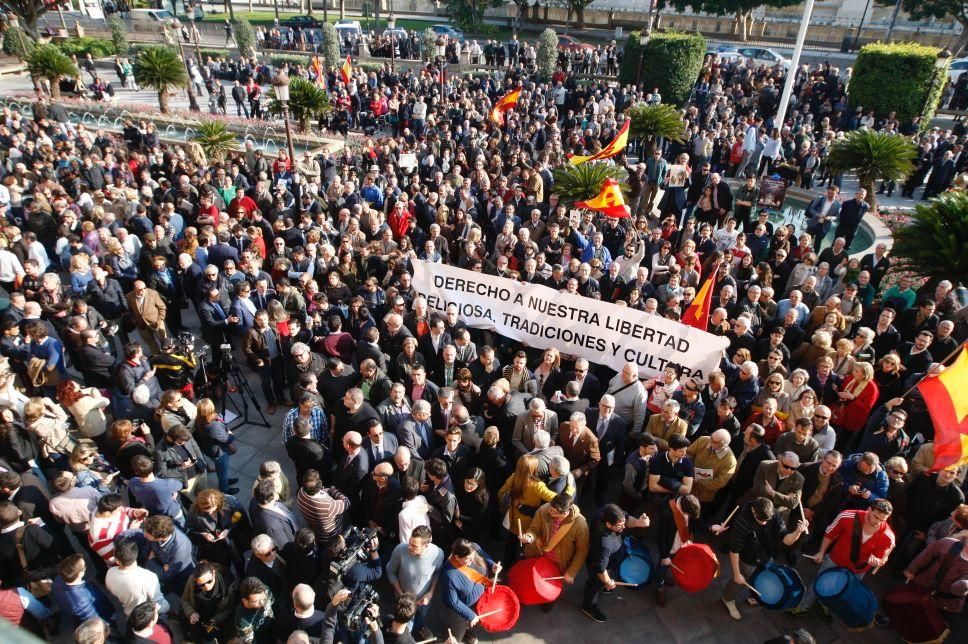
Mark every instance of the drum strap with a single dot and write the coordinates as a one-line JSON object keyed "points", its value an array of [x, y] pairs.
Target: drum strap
{"points": [[472, 574], [856, 536], [681, 527], [559, 534]]}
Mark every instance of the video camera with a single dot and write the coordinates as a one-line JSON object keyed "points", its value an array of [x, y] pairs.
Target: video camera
{"points": [[185, 345], [355, 615], [359, 545]]}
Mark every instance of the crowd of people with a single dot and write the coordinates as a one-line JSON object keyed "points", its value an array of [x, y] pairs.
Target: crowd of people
{"points": [[418, 443]]}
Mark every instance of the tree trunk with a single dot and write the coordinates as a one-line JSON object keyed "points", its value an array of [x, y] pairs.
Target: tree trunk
{"points": [[250, 6], [228, 3], [309, 7], [580, 18], [962, 41], [303, 124], [163, 101], [342, 9], [869, 185], [275, 6], [55, 93]]}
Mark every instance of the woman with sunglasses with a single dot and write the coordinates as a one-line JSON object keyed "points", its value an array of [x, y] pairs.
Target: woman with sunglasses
{"points": [[208, 603]]}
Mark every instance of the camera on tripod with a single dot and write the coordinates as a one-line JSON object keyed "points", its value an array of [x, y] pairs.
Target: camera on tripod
{"points": [[359, 545], [185, 345], [355, 615]]}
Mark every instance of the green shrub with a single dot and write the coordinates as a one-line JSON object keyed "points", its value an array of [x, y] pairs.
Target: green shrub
{"points": [[331, 51], [244, 37], [897, 77], [671, 61], [119, 35], [547, 59], [81, 47], [17, 42]]}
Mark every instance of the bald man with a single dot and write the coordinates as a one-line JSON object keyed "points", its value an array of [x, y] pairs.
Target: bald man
{"points": [[351, 471], [381, 501], [303, 617]]}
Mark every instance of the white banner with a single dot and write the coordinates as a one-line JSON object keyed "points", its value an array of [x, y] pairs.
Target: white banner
{"points": [[538, 316]]}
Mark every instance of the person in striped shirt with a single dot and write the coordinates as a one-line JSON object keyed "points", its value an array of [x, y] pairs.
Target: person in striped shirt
{"points": [[323, 509], [110, 519]]}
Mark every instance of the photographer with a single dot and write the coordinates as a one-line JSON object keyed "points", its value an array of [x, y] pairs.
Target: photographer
{"points": [[353, 561], [352, 618], [175, 366]]}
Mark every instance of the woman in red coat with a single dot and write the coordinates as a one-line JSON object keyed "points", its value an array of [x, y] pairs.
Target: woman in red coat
{"points": [[858, 395]]}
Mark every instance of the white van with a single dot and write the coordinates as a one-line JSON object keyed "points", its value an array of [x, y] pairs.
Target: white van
{"points": [[150, 18], [349, 28]]}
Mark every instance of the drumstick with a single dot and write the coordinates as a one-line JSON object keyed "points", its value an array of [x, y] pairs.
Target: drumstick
{"points": [[489, 613], [624, 583], [753, 589], [552, 578], [726, 522], [677, 568], [427, 641], [803, 516]]}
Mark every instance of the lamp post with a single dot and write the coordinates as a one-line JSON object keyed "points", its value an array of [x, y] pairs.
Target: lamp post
{"points": [[441, 63], [939, 65], [280, 83], [195, 38], [794, 64], [644, 37], [860, 26]]}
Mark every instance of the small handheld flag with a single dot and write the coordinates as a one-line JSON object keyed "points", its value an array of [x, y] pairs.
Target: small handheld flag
{"points": [[697, 315], [614, 147], [609, 201], [506, 103], [347, 70]]}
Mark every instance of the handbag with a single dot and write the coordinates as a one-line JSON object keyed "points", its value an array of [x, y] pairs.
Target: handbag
{"points": [[40, 375], [39, 588]]}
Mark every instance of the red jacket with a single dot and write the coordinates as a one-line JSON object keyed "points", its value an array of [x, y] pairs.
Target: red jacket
{"points": [[853, 417], [841, 532]]}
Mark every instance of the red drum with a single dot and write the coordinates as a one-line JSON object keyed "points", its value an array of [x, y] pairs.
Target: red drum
{"points": [[502, 599], [694, 567], [527, 579], [914, 615]]}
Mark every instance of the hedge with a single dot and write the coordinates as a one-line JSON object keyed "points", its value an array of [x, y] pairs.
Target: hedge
{"points": [[81, 47], [897, 77], [671, 61]]}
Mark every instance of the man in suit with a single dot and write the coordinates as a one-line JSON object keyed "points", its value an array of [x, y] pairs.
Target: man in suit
{"points": [[580, 446], [591, 387], [405, 466], [416, 433], [368, 348], [610, 430], [148, 311], [824, 382], [269, 568], [221, 251], [243, 309], [445, 375], [749, 452], [351, 471], [852, 212], [191, 275], [545, 452], [431, 345], [94, 363], [471, 427], [379, 445], [570, 403], [536, 417], [458, 457], [164, 281], [821, 213], [395, 409], [270, 516], [419, 388], [821, 504], [466, 350], [381, 501], [215, 320], [942, 174], [306, 453], [722, 196]]}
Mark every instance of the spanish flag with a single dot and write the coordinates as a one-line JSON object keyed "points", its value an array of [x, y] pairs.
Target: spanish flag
{"points": [[946, 397], [609, 201], [506, 103], [617, 145], [346, 70], [697, 315]]}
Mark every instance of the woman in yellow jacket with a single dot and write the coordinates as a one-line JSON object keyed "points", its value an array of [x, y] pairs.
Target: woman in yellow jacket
{"points": [[521, 496]]}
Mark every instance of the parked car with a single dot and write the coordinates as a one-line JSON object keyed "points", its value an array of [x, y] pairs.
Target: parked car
{"points": [[958, 65], [150, 18], [301, 22], [570, 43], [759, 55], [447, 30]]}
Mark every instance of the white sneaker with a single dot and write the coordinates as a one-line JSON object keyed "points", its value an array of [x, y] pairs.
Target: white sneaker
{"points": [[733, 611]]}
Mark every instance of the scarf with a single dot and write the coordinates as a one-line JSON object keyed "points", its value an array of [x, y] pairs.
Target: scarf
{"points": [[207, 600]]}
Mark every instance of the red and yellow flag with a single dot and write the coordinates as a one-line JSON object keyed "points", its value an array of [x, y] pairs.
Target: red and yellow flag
{"points": [[946, 396], [506, 103], [697, 315], [318, 70], [617, 145], [609, 201], [346, 70]]}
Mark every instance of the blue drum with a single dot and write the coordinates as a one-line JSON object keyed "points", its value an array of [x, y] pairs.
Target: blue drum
{"points": [[779, 587], [846, 597], [637, 567]]}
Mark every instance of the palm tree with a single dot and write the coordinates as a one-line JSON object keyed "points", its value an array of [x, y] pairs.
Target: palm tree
{"points": [[650, 122], [579, 182], [873, 156], [307, 102], [932, 245], [215, 139], [50, 63], [160, 68]]}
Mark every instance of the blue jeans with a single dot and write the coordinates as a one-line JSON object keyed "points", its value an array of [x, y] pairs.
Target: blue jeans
{"points": [[34, 607], [222, 471]]}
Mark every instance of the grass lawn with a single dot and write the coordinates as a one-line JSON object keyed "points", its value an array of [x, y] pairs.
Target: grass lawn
{"points": [[267, 18]]}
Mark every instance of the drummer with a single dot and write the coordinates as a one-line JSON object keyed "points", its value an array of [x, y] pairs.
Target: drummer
{"points": [[874, 540], [463, 579], [604, 554], [754, 539], [942, 570], [673, 529], [559, 531]]}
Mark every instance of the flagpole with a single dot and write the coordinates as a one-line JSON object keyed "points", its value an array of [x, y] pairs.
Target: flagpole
{"points": [[928, 372]]}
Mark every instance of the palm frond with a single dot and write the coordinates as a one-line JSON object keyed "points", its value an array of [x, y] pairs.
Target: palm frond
{"points": [[873, 156], [580, 182], [932, 245], [160, 68], [307, 101], [651, 121], [215, 139], [47, 61]]}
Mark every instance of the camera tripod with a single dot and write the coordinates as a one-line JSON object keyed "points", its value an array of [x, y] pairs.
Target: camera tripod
{"points": [[243, 398]]}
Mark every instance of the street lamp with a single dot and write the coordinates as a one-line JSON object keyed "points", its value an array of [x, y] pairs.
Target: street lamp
{"points": [[195, 38], [441, 63], [942, 58], [280, 83]]}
